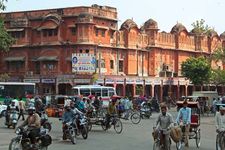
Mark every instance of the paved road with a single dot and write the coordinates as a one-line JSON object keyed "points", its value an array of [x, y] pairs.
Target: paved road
{"points": [[133, 137]]}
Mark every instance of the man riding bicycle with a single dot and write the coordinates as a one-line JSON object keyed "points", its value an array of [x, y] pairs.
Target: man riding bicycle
{"points": [[220, 124], [184, 119], [163, 123], [110, 111]]}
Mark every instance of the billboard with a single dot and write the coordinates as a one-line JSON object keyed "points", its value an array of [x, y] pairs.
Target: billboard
{"points": [[83, 63]]}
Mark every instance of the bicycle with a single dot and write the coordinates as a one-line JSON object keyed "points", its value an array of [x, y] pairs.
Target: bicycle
{"points": [[220, 140], [133, 115], [159, 139], [115, 122]]}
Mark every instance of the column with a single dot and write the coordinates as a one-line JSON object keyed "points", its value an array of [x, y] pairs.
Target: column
{"points": [[178, 90], [143, 93], [186, 90], [161, 91], [124, 89], [152, 90], [134, 89]]}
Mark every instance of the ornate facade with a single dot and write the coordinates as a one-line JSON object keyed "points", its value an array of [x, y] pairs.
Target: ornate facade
{"points": [[134, 60]]}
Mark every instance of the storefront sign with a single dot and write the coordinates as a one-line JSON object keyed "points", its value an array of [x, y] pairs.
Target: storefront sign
{"points": [[80, 81], [120, 81], [47, 80], [31, 80], [100, 81], [83, 63], [64, 80], [109, 81], [157, 82], [130, 81], [139, 81], [148, 82]]}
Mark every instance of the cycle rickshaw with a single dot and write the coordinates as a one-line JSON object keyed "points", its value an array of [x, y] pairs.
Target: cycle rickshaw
{"points": [[194, 132]]}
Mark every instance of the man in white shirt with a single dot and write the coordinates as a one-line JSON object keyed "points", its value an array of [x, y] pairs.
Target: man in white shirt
{"points": [[220, 123]]}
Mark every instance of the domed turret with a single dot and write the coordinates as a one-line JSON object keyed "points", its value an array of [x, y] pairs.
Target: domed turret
{"points": [[150, 24], [128, 24], [178, 28]]}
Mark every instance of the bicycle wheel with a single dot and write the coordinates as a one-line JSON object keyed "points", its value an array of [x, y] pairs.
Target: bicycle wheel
{"points": [[135, 118], [156, 145], [198, 138], [217, 143], [118, 126]]}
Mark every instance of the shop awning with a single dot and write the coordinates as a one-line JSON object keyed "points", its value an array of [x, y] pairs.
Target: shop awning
{"points": [[14, 59], [47, 58], [15, 29], [47, 27], [101, 27]]}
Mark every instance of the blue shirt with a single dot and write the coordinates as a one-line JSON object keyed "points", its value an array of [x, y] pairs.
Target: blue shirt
{"points": [[184, 115]]}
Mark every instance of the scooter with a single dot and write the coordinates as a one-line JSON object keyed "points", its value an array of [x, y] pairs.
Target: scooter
{"points": [[12, 120]]}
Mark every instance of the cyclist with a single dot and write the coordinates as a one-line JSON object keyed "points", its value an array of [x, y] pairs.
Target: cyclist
{"points": [[184, 119], [163, 123], [111, 111], [220, 123]]}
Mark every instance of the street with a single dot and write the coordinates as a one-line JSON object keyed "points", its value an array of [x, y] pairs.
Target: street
{"points": [[133, 136]]}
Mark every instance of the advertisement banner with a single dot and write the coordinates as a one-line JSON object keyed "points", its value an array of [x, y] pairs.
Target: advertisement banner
{"points": [[83, 63]]}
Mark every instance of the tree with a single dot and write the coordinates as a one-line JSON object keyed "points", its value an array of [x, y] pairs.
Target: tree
{"points": [[218, 77], [198, 70], [199, 27], [219, 55], [5, 39]]}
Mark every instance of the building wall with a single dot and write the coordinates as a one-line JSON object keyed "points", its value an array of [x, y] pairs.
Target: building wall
{"points": [[94, 30]]}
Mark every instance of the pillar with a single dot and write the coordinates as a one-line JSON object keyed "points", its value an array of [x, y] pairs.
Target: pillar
{"points": [[161, 91], [56, 88], [178, 91], [124, 89], [152, 90], [186, 90], [134, 89]]}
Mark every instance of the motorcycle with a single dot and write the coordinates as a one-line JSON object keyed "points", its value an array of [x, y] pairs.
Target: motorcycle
{"points": [[45, 122], [12, 120], [81, 126], [69, 132], [145, 110], [22, 142]]}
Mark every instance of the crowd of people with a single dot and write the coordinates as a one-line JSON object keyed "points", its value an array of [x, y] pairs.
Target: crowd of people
{"points": [[116, 106]]}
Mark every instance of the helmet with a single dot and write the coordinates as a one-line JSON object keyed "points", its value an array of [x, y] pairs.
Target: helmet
{"points": [[31, 108]]}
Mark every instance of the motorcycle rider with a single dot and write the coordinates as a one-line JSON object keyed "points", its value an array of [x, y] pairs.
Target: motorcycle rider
{"points": [[68, 115], [34, 124], [164, 122], [10, 108]]}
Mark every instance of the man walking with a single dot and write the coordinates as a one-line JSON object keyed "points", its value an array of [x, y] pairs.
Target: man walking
{"points": [[21, 109]]}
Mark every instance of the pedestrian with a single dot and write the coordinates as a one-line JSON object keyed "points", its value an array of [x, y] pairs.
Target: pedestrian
{"points": [[21, 108]]}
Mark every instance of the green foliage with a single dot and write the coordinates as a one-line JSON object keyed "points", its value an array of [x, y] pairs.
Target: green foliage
{"points": [[219, 55], [199, 27], [198, 70], [94, 78], [218, 77], [5, 39]]}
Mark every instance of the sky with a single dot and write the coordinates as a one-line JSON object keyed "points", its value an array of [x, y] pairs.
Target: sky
{"points": [[166, 12]]}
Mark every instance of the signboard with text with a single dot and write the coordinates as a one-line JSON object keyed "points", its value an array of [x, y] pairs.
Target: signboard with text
{"points": [[83, 63]]}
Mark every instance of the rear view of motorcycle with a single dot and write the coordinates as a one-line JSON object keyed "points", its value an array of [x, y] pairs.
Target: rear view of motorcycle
{"points": [[12, 119], [45, 122], [23, 142]]}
